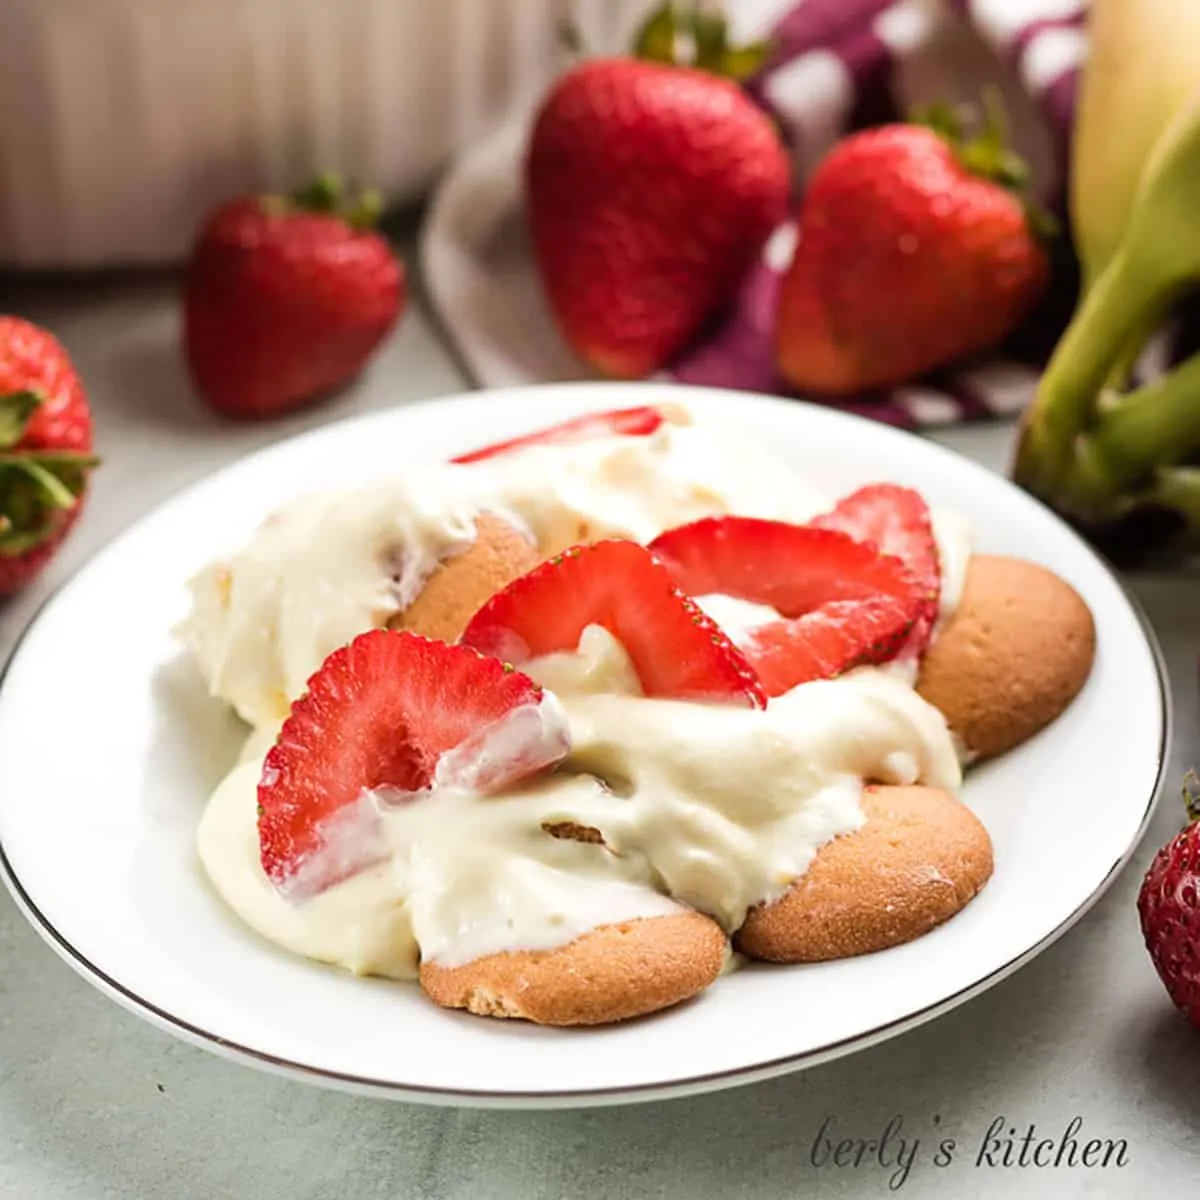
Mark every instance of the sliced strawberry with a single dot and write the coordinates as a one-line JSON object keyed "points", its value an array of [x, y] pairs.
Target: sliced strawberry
{"points": [[827, 642], [396, 712], [621, 422], [845, 604], [898, 521], [793, 568], [675, 649]]}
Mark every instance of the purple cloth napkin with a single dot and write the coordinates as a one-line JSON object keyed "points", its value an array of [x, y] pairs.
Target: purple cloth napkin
{"points": [[843, 64]]}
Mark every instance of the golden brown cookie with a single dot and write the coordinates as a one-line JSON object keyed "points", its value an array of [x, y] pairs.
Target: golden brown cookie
{"points": [[564, 533], [459, 586], [572, 831], [609, 974], [1016, 652], [919, 859]]}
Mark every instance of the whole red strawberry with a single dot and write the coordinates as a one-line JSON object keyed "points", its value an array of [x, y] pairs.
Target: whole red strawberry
{"points": [[45, 450], [650, 190], [1169, 907], [913, 251], [286, 298]]}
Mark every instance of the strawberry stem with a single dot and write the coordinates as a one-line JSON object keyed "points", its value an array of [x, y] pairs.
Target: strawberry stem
{"points": [[655, 40], [941, 117], [15, 411], [360, 207], [710, 40], [51, 491], [366, 213], [1191, 795], [323, 194], [697, 38], [35, 489], [987, 154]]}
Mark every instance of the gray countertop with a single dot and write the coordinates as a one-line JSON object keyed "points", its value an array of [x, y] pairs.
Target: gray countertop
{"points": [[97, 1105]]}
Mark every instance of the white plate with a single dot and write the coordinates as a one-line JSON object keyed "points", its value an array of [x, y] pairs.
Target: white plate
{"points": [[108, 749]]}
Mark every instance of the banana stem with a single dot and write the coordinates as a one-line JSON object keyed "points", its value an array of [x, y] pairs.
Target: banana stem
{"points": [[1156, 425], [1178, 488], [1123, 365], [1123, 301]]}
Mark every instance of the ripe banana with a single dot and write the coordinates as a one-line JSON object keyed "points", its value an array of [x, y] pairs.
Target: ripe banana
{"points": [[1086, 449], [1143, 62]]}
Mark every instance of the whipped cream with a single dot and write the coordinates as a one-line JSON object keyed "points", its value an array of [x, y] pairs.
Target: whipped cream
{"points": [[331, 566], [716, 807], [712, 806]]}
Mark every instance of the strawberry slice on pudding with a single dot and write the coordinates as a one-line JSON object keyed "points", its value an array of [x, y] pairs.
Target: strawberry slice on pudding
{"points": [[791, 568], [827, 642], [392, 716], [898, 521], [620, 422], [842, 603], [676, 650]]}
